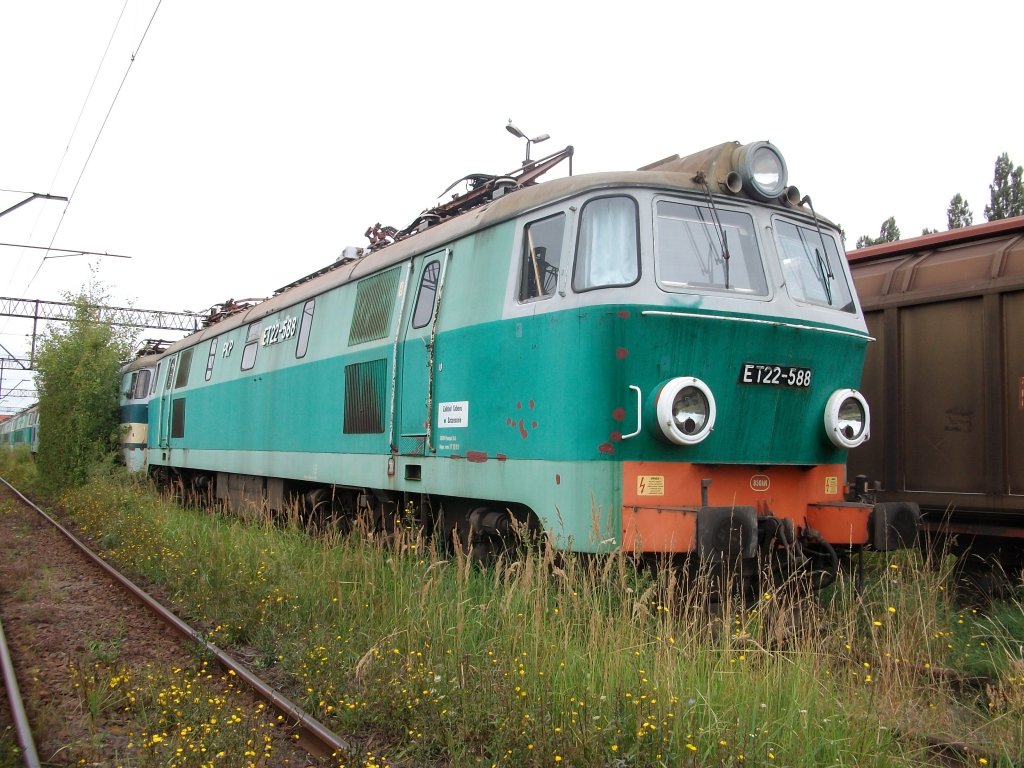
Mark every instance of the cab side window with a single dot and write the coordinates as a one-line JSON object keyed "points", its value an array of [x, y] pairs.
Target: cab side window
{"points": [[142, 384], [541, 258], [424, 309], [608, 252], [184, 365]]}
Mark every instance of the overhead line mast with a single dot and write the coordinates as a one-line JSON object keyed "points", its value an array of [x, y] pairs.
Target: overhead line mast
{"points": [[126, 316]]}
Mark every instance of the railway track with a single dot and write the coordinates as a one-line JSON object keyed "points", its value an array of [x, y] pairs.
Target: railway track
{"points": [[304, 731]]}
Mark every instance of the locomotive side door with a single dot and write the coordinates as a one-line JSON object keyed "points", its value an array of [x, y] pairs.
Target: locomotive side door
{"points": [[164, 428], [417, 366]]}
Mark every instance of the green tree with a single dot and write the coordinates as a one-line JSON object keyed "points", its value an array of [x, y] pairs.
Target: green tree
{"points": [[927, 231], [888, 233], [79, 364], [1006, 190], [959, 215]]}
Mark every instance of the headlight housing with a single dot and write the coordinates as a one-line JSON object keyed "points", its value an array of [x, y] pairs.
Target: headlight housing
{"points": [[763, 170], [847, 418], [685, 410]]}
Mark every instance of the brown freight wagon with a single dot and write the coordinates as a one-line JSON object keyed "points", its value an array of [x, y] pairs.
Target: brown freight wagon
{"points": [[945, 381]]}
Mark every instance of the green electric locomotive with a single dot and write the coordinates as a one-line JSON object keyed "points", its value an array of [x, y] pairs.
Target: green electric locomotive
{"points": [[22, 429], [663, 360]]}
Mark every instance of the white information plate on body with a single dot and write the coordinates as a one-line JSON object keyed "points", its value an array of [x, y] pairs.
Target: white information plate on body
{"points": [[454, 414]]}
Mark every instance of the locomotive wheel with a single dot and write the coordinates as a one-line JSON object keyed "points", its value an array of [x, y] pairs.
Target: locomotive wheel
{"points": [[316, 510], [199, 491], [493, 533], [482, 533], [324, 509]]}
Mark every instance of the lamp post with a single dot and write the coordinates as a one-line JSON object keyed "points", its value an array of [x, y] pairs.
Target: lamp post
{"points": [[520, 135]]}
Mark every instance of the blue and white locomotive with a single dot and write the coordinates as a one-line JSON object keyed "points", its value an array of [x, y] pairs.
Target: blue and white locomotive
{"points": [[138, 383]]}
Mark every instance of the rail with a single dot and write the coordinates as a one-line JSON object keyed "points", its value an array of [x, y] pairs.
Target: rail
{"points": [[21, 727], [314, 737]]}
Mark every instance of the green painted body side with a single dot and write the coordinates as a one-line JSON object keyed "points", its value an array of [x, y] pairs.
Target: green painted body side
{"points": [[557, 386], [21, 429], [548, 399], [23, 436]]}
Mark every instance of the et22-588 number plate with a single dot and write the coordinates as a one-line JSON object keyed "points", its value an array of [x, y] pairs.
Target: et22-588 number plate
{"points": [[775, 375]]}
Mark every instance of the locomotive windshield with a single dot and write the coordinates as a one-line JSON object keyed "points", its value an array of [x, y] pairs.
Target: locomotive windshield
{"points": [[690, 253], [812, 276]]}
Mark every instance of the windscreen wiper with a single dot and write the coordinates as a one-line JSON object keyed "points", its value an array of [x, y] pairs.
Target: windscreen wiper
{"points": [[702, 179], [825, 274], [823, 264]]}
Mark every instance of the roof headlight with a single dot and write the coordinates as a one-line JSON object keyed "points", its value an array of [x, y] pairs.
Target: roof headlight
{"points": [[763, 170], [685, 410], [847, 418]]}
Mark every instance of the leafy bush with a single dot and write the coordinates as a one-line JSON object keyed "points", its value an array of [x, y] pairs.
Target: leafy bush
{"points": [[78, 363]]}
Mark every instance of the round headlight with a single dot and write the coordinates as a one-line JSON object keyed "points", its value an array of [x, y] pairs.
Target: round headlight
{"points": [[847, 418], [763, 170], [685, 410]]}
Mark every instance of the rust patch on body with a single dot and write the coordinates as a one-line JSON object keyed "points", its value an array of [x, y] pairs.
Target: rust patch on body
{"points": [[476, 457]]}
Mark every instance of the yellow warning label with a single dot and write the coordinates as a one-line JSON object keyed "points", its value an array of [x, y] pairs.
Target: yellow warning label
{"points": [[831, 485], [650, 485]]}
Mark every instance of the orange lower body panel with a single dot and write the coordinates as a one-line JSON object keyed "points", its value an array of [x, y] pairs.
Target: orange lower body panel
{"points": [[845, 524], [653, 529], [660, 501]]}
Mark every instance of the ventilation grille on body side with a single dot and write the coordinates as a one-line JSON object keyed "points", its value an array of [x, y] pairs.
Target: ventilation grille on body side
{"points": [[365, 396], [375, 300]]}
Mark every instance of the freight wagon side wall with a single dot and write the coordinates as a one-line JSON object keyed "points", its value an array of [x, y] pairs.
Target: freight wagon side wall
{"points": [[945, 376]]}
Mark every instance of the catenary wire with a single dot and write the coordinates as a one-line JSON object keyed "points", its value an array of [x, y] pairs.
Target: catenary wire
{"points": [[74, 130], [92, 149]]}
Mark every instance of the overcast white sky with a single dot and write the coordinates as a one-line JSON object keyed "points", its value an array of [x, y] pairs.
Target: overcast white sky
{"points": [[251, 141]]}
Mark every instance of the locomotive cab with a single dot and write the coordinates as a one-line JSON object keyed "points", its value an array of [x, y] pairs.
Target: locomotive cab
{"points": [[713, 346]]}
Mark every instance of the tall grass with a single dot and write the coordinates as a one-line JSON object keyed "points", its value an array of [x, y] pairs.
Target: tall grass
{"points": [[575, 660]]}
